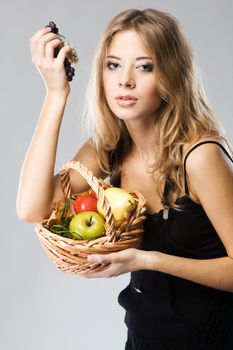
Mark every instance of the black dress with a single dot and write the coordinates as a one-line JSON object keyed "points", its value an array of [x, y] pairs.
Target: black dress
{"points": [[164, 312]]}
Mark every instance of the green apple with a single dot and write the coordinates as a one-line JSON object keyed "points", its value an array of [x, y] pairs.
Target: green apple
{"points": [[87, 225], [120, 201]]}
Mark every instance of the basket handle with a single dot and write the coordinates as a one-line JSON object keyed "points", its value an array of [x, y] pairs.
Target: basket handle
{"points": [[94, 183]]}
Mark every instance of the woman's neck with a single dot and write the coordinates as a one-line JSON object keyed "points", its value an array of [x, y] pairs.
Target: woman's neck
{"points": [[144, 139]]}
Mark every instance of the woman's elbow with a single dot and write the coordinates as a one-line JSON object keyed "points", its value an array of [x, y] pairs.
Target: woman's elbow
{"points": [[29, 215]]}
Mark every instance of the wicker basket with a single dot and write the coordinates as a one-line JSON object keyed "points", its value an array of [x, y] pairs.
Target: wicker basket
{"points": [[70, 255]]}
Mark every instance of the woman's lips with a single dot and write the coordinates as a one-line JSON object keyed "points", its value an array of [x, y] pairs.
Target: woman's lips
{"points": [[126, 101]]}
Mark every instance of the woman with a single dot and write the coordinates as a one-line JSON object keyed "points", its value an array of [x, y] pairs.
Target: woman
{"points": [[152, 131]]}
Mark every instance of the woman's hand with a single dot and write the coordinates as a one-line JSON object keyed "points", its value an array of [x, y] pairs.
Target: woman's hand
{"points": [[127, 260], [43, 44]]}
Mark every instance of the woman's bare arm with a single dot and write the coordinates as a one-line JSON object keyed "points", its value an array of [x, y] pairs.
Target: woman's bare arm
{"points": [[38, 186]]}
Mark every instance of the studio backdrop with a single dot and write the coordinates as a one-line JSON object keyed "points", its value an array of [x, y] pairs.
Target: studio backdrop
{"points": [[41, 307]]}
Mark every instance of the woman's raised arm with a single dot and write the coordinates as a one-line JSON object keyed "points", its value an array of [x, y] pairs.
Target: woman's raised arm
{"points": [[38, 187]]}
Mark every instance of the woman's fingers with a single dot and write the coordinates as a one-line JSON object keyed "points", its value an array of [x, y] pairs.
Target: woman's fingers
{"points": [[104, 273], [63, 53], [100, 259], [39, 41], [34, 41], [40, 33], [42, 44], [50, 48]]}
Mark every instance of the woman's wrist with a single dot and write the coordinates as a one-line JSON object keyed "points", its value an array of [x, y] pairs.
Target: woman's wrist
{"points": [[56, 99], [149, 260], [57, 94]]}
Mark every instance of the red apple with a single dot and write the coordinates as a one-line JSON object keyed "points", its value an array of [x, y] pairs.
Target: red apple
{"points": [[87, 225], [86, 201]]}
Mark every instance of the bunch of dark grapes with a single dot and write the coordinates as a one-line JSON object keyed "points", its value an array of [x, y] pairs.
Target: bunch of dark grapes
{"points": [[70, 71]]}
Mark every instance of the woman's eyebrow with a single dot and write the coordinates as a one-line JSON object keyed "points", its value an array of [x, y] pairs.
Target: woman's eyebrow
{"points": [[137, 59]]}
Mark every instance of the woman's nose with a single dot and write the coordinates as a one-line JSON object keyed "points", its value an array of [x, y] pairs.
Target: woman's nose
{"points": [[126, 80]]}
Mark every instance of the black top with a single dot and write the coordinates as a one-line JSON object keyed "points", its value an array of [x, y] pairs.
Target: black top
{"points": [[160, 305]]}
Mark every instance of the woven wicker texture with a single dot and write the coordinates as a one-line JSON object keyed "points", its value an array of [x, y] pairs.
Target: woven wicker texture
{"points": [[70, 255]]}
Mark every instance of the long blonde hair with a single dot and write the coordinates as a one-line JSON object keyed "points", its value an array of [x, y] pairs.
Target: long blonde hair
{"points": [[184, 115]]}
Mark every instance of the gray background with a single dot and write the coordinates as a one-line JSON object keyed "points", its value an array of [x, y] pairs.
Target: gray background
{"points": [[40, 307]]}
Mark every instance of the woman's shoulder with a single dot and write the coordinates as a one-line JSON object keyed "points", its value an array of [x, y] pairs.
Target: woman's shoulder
{"points": [[202, 159], [88, 155], [203, 149]]}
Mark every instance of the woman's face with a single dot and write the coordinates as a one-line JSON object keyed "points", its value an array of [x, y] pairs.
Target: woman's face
{"points": [[129, 78]]}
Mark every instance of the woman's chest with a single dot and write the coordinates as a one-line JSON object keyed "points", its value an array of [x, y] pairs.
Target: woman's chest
{"points": [[135, 177], [188, 233]]}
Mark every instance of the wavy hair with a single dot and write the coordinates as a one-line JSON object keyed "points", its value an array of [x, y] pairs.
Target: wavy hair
{"points": [[184, 114]]}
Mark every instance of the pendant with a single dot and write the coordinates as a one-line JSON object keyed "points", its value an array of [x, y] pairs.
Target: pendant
{"points": [[165, 213]]}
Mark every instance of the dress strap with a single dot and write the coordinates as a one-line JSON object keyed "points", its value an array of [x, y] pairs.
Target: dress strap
{"points": [[193, 148]]}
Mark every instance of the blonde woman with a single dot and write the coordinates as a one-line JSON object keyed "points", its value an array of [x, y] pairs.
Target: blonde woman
{"points": [[152, 130]]}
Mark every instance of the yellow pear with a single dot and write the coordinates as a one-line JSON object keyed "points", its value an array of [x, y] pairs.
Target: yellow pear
{"points": [[120, 201]]}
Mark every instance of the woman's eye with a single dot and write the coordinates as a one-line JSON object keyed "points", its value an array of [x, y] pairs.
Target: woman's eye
{"points": [[112, 65], [146, 67]]}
